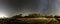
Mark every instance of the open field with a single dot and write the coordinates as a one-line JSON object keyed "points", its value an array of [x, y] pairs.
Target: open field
{"points": [[40, 20], [30, 21]]}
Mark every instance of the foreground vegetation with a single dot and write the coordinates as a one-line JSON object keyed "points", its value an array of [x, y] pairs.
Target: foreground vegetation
{"points": [[31, 19]]}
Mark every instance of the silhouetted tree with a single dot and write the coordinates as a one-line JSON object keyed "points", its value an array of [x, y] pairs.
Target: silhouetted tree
{"points": [[57, 18], [18, 16], [34, 15], [49, 16]]}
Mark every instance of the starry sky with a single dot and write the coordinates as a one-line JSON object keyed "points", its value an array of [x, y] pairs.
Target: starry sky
{"points": [[14, 7]]}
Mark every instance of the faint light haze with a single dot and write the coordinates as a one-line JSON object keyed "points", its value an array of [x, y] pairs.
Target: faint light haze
{"points": [[14, 7]]}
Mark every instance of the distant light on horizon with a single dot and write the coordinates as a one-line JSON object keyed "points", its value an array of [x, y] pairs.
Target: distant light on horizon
{"points": [[3, 16]]}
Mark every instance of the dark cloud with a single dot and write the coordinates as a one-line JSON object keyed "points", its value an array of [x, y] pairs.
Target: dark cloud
{"points": [[12, 7], [18, 6]]}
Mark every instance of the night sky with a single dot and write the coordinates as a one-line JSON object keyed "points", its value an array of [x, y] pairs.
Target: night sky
{"points": [[14, 7]]}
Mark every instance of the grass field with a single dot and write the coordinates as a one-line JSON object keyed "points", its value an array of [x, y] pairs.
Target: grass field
{"points": [[39, 20], [30, 21]]}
